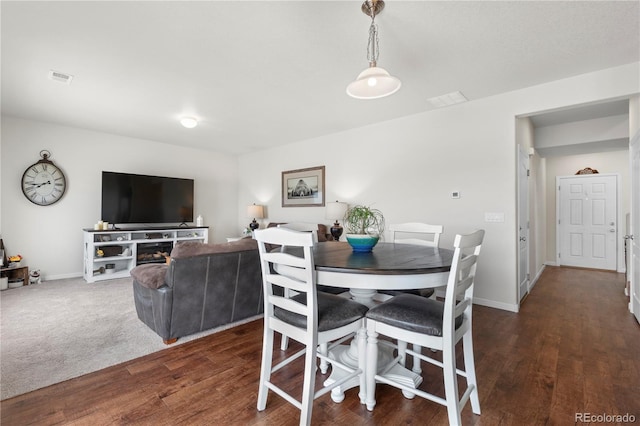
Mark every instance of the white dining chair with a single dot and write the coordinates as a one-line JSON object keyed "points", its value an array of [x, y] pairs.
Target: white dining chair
{"points": [[433, 324], [416, 233], [312, 228], [313, 318]]}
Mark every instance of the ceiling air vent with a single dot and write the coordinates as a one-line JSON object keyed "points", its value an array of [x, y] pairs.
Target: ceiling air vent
{"points": [[448, 99], [60, 76]]}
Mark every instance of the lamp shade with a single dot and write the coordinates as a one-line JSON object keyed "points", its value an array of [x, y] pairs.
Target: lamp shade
{"points": [[336, 211], [256, 212], [373, 83]]}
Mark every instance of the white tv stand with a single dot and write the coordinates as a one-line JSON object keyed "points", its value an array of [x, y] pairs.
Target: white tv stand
{"points": [[123, 249]]}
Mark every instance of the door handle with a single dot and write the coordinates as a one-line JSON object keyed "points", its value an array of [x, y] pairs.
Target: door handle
{"points": [[612, 230]]}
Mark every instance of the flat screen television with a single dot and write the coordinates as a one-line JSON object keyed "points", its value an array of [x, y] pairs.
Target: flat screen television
{"points": [[130, 198]]}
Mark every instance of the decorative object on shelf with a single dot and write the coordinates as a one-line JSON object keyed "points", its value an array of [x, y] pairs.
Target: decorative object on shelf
{"points": [[199, 220], [99, 253], [336, 211], [364, 226], [34, 277], [374, 82], [101, 226], [110, 268], [14, 261], [303, 187], [587, 171], [43, 183], [16, 282], [256, 212]]}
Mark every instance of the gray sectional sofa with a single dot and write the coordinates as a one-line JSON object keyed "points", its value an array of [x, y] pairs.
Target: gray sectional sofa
{"points": [[203, 286]]}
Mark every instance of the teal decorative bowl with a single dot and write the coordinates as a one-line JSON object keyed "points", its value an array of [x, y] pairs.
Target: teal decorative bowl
{"points": [[362, 243]]}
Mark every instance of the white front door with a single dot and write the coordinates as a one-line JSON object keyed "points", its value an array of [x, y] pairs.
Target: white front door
{"points": [[587, 221], [523, 223], [634, 302]]}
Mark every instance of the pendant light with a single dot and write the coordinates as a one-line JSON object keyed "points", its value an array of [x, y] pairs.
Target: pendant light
{"points": [[374, 82]]}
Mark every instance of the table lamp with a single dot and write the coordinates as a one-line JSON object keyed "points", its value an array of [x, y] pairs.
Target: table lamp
{"points": [[256, 212], [336, 211]]}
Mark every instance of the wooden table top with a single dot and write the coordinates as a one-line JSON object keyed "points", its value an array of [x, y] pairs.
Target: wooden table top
{"points": [[385, 259]]}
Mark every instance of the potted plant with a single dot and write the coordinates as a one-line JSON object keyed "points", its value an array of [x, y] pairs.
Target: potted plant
{"points": [[364, 226]]}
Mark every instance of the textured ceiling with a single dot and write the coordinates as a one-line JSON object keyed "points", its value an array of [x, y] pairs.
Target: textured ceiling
{"points": [[260, 74]]}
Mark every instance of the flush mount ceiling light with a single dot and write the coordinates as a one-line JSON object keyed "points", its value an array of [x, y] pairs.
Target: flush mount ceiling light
{"points": [[189, 122], [374, 82]]}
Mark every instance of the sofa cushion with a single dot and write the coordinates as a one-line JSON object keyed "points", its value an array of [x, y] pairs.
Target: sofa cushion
{"points": [[150, 275], [192, 248]]}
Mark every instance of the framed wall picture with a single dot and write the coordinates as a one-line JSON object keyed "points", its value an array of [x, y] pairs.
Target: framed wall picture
{"points": [[303, 187]]}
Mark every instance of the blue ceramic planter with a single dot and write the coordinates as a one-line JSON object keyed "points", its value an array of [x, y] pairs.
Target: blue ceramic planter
{"points": [[362, 243]]}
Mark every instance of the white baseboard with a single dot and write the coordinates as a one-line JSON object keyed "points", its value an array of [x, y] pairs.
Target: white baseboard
{"points": [[550, 263], [62, 276], [535, 279], [498, 305]]}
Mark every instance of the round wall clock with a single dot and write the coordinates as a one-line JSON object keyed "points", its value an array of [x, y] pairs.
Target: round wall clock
{"points": [[43, 183]]}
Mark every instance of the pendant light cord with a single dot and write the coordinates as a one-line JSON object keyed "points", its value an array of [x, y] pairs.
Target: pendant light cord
{"points": [[372, 44]]}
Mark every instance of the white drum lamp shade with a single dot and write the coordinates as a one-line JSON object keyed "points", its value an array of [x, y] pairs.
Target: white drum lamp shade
{"points": [[256, 212]]}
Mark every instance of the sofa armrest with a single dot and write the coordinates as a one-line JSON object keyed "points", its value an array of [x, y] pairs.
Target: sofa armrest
{"points": [[150, 275], [154, 307]]}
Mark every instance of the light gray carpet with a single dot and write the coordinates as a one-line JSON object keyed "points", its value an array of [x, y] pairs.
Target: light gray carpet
{"points": [[57, 330]]}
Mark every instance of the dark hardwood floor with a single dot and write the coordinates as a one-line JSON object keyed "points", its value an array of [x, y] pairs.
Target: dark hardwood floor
{"points": [[573, 348]]}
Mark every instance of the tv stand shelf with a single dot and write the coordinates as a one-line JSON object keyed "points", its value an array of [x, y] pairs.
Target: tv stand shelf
{"points": [[113, 253]]}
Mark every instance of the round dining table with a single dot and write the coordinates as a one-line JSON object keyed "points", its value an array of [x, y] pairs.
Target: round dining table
{"points": [[389, 266]]}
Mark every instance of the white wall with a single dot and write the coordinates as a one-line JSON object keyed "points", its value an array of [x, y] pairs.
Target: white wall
{"points": [[50, 238], [408, 167], [585, 131], [604, 162]]}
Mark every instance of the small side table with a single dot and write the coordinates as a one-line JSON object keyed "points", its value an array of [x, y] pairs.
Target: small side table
{"points": [[16, 272]]}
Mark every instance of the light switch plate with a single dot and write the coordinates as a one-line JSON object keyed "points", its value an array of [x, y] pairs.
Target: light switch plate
{"points": [[455, 194], [494, 217]]}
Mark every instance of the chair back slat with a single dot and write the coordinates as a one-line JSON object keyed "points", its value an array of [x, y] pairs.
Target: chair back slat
{"points": [[406, 233], [461, 306], [277, 238], [289, 282], [289, 305], [463, 286], [302, 227], [285, 259]]}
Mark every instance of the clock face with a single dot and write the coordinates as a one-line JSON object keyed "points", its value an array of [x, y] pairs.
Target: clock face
{"points": [[43, 183]]}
